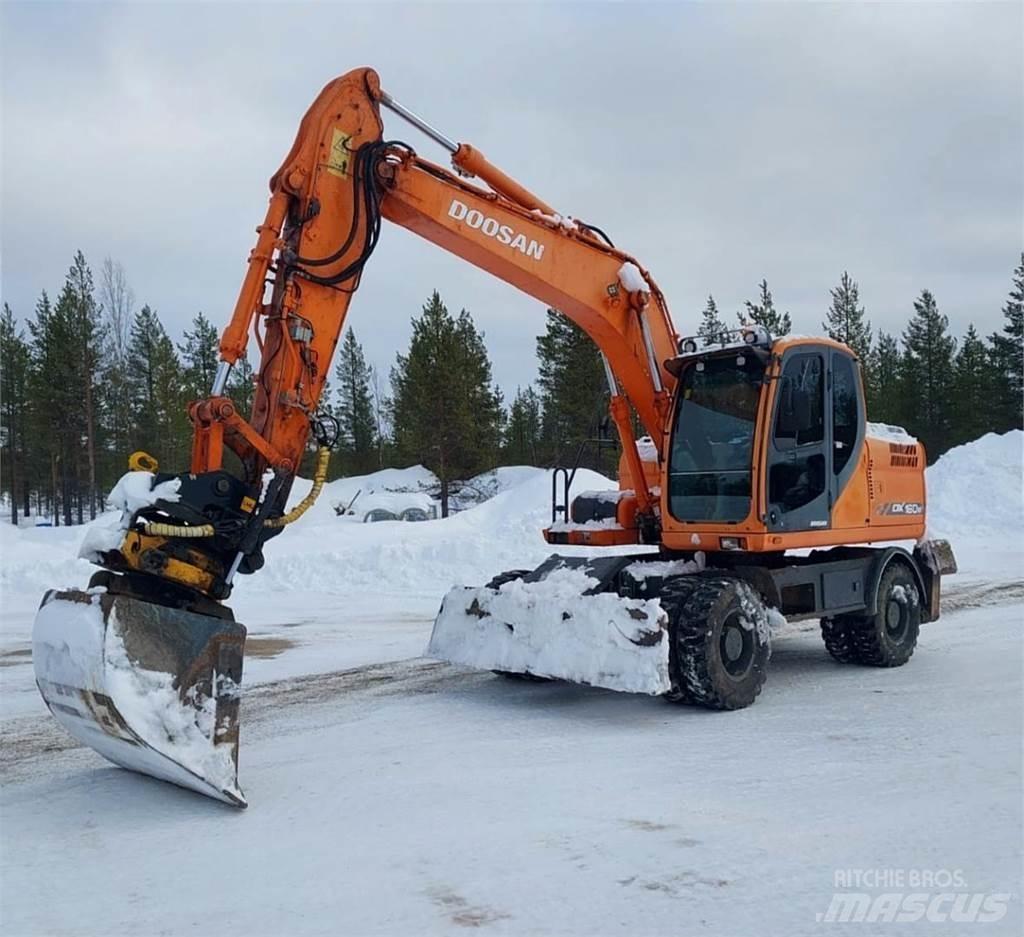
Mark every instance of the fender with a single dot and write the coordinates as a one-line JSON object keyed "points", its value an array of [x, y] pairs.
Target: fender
{"points": [[898, 554]]}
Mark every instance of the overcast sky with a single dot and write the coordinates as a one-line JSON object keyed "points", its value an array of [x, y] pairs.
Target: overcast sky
{"points": [[719, 144]]}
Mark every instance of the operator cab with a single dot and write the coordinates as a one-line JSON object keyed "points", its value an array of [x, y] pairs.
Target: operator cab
{"points": [[809, 427]]}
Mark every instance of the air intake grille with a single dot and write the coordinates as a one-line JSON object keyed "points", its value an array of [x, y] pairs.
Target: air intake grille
{"points": [[903, 455]]}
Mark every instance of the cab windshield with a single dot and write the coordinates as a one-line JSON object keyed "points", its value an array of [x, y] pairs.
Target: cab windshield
{"points": [[713, 439]]}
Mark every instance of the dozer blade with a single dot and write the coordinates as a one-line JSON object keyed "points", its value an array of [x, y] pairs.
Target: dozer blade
{"points": [[551, 629], [153, 689]]}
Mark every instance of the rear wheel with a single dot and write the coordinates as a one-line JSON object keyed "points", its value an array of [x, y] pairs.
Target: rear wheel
{"points": [[720, 645], [496, 583], [887, 638]]}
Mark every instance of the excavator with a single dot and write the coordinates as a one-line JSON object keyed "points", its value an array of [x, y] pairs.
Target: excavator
{"points": [[757, 492]]}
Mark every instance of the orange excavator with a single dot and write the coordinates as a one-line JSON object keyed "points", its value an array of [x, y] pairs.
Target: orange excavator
{"points": [[754, 493]]}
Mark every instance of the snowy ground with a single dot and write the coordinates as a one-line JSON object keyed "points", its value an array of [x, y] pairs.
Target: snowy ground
{"points": [[395, 795]]}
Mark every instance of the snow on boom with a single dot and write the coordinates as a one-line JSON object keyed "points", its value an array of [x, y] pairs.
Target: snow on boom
{"points": [[495, 229]]}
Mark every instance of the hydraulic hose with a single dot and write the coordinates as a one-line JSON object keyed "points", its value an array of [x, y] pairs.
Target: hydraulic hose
{"points": [[323, 457]]}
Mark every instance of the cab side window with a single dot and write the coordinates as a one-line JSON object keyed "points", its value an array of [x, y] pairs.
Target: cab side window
{"points": [[801, 414], [844, 411], [798, 477]]}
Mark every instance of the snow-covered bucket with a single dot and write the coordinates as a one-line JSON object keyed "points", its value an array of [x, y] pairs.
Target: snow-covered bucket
{"points": [[551, 628], [151, 688]]}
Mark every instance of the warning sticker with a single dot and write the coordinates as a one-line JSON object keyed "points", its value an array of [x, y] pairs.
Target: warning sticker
{"points": [[337, 161]]}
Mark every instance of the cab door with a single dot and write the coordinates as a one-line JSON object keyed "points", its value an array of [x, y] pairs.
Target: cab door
{"points": [[846, 423], [799, 463]]}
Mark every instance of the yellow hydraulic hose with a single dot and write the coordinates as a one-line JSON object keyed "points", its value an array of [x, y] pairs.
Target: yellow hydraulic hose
{"points": [[323, 456]]}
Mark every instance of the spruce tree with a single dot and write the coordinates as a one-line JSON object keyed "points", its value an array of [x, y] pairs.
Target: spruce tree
{"points": [[522, 429], [1008, 359], [573, 395], [928, 375], [355, 410], [711, 324], [200, 357], [764, 313], [972, 390], [445, 412]]}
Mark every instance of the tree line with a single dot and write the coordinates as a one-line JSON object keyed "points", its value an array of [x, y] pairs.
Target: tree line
{"points": [[90, 378]]}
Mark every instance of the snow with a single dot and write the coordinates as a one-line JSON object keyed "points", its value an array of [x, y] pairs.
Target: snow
{"points": [[550, 628], [597, 523], [133, 492], [662, 568], [889, 433], [564, 222], [391, 794], [632, 279], [647, 449]]}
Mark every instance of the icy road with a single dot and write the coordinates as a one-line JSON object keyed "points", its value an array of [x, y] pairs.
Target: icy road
{"points": [[413, 798]]}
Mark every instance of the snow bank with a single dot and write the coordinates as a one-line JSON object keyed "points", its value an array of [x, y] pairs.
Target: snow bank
{"points": [[551, 629], [974, 490]]}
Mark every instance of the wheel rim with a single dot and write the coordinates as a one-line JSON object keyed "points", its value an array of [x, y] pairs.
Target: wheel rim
{"points": [[736, 647], [897, 618]]}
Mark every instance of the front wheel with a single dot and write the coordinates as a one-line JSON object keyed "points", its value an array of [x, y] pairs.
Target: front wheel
{"points": [[721, 643], [887, 638]]}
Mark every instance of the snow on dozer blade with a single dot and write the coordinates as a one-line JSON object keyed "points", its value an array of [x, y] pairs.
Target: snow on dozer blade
{"points": [[551, 628], [151, 688]]}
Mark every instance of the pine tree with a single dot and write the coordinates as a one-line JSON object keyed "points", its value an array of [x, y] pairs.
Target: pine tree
{"points": [[763, 312], [972, 390], [14, 408], [88, 336], [573, 394], [928, 372], [885, 391], [54, 387], [522, 429], [157, 390], [446, 413], [845, 320], [115, 404], [242, 386], [1008, 359], [711, 324], [355, 409], [200, 357]]}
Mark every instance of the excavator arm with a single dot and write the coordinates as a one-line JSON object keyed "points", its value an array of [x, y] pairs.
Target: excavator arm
{"points": [[328, 199]]}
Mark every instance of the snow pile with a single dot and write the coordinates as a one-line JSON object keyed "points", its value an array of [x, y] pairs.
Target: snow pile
{"points": [[133, 492], [974, 491], [632, 279], [552, 629]]}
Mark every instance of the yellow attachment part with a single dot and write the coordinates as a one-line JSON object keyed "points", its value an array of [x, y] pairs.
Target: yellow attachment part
{"points": [[142, 462], [323, 456]]}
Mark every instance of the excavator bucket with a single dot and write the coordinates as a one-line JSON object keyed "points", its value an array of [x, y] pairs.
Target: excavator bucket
{"points": [[151, 688], [555, 623]]}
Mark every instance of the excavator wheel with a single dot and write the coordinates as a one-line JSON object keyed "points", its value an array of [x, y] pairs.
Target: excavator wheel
{"points": [[496, 583], [674, 595], [720, 644], [887, 638]]}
